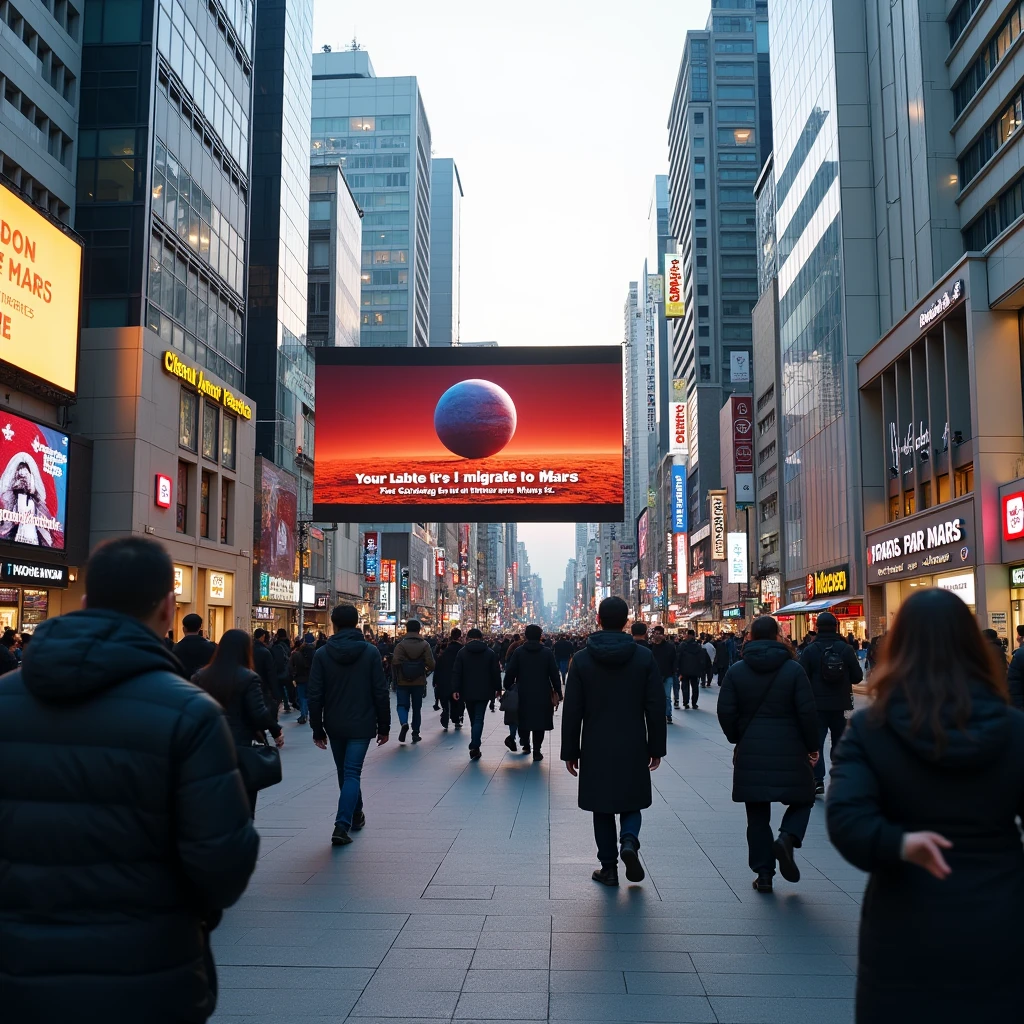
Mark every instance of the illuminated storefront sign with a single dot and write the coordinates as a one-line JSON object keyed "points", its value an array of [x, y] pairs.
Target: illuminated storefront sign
{"points": [[675, 304], [679, 499], [738, 571], [34, 572], [197, 379], [682, 557], [940, 305], [828, 582], [371, 556], [922, 545], [718, 527], [164, 491], [678, 443]]}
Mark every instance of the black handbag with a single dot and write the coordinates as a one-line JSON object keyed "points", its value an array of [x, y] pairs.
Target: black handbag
{"points": [[260, 765], [510, 705]]}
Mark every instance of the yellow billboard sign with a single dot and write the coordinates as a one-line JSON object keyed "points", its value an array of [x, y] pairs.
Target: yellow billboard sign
{"points": [[675, 303], [40, 287]]}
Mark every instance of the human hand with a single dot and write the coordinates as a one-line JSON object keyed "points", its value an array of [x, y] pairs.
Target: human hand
{"points": [[925, 850], [572, 767], [321, 741], [813, 757], [382, 738], [279, 740], [655, 762], [455, 696]]}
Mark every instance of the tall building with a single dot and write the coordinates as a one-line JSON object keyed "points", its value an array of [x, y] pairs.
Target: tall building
{"points": [[41, 75], [376, 129], [445, 219], [719, 136]]}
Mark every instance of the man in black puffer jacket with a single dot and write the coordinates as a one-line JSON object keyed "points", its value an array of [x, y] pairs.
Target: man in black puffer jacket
{"points": [[124, 824], [476, 679]]}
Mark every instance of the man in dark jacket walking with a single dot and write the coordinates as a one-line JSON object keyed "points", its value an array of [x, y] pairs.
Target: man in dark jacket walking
{"points": [[411, 662], [563, 651], [476, 679], [451, 709], [263, 663], [299, 665], [614, 736], [664, 652], [193, 650], [280, 651], [534, 674], [349, 704], [833, 667], [124, 824], [692, 667], [766, 708], [1015, 678]]}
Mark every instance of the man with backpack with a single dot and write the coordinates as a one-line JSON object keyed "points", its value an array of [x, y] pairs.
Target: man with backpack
{"points": [[411, 662], [300, 664], [833, 667]]}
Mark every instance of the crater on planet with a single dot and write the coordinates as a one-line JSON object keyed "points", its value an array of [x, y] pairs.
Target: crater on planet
{"points": [[475, 418]]}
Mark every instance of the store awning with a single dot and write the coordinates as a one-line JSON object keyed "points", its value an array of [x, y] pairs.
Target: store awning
{"points": [[824, 604], [792, 609]]}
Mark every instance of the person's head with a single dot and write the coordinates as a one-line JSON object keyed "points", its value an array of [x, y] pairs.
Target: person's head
{"points": [[764, 627], [991, 636], [827, 623], [690, 634], [533, 633], [259, 636], [612, 614], [281, 636], [309, 639], [639, 630], [192, 624], [456, 634], [658, 634], [220, 677], [1020, 634], [133, 576], [413, 627], [9, 639], [344, 616], [25, 637], [930, 658], [475, 634]]}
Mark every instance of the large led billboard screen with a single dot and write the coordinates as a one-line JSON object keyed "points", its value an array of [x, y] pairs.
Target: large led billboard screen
{"points": [[469, 434], [33, 483]]}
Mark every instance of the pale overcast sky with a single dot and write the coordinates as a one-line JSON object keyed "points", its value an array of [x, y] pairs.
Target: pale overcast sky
{"points": [[555, 112]]}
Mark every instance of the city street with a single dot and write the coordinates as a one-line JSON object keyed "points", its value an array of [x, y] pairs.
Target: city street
{"points": [[468, 897]]}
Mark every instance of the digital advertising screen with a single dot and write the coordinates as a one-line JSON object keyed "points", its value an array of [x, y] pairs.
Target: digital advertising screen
{"points": [[469, 434], [33, 483], [279, 504]]}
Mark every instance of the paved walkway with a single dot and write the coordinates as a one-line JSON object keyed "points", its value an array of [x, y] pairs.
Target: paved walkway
{"points": [[468, 897]]}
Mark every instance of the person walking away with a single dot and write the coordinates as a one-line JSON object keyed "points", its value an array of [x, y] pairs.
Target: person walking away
{"points": [[710, 650], [532, 670], [411, 662], [992, 638], [613, 736], [452, 710], [1015, 677], [766, 709], [125, 827], [193, 650], [349, 705], [8, 661], [927, 786], [563, 651], [833, 667], [664, 654], [639, 633], [690, 658], [263, 663], [721, 662], [476, 679], [233, 683], [299, 665], [281, 651]]}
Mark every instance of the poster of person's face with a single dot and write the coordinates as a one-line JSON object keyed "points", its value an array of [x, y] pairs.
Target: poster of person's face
{"points": [[33, 483], [279, 492]]}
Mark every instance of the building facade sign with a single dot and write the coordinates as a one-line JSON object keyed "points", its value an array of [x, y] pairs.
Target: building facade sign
{"points": [[941, 304], [932, 542], [675, 304], [738, 571], [196, 378], [828, 582], [678, 440], [34, 573], [743, 448], [718, 524], [679, 521]]}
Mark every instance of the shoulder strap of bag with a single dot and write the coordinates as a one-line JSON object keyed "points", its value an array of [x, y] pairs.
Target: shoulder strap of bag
{"points": [[760, 703]]}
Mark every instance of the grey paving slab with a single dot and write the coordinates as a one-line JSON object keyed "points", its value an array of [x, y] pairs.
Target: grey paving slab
{"points": [[760, 1010], [502, 1006], [588, 981]]}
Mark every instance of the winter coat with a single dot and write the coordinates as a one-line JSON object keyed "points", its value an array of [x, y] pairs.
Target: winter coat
{"points": [[831, 696], [347, 693], [563, 649], [263, 662], [722, 661], [280, 651], [124, 826], [1015, 679], [771, 764], [476, 674], [412, 648], [533, 672], [300, 663], [444, 668], [916, 961], [615, 697], [194, 652], [691, 660], [245, 709], [665, 658], [8, 662]]}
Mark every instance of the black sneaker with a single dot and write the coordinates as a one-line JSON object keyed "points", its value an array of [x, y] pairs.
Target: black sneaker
{"points": [[458, 724], [668, 719], [359, 821], [763, 883], [402, 733], [819, 789], [474, 753], [510, 743], [340, 837], [694, 707], [676, 704], [630, 857], [538, 756], [437, 707], [416, 737], [301, 720], [607, 876], [526, 748], [783, 850], [492, 705]]}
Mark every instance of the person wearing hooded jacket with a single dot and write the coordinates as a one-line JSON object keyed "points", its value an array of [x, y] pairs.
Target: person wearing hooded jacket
{"points": [[927, 786], [349, 705], [766, 708], [613, 736], [411, 663], [533, 671], [452, 710], [476, 679], [124, 824], [691, 664]]}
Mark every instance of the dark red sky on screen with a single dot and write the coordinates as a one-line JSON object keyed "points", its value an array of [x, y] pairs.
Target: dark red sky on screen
{"points": [[386, 411]]}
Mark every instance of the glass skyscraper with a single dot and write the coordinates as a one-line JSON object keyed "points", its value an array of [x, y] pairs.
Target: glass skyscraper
{"points": [[445, 203]]}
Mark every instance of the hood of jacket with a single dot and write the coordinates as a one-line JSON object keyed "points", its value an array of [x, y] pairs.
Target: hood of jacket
{"points": [[347, 646], [533, 645], [477, 648], [765, 655], [81, 653], [691, 647], [608, 647], [982, 740]]}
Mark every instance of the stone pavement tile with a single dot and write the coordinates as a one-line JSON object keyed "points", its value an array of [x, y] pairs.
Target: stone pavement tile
{"points": [[355, 978], [429, 959], [588, 981], [766, 963], [844, 945], [662, 983], [605, 960], [506, 981], [511, 959], [442, 938], [459, 892], [755, 1010], [797, 986], [647, 1008], [515, 940], [350, 955], [405, 1002], [691, 943], [514, 922], [417, 979], [263, 1001], [480, 1006]]}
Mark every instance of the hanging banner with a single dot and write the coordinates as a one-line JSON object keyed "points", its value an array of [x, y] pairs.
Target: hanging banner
{"points": [[678, 443], [718, 501], [743, 448], [681, 564], [679, 499], [738, 571], [675, 305], [371, 556]]}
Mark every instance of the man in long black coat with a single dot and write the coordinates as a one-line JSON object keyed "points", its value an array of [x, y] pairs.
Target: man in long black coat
{"points": [[451, 709], [532, 669], [476, 679], [766, 708], [614, 697]]}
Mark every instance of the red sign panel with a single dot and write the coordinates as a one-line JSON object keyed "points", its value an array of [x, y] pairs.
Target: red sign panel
{"points": [[743, 433], [1013, 516], [439, 562], [164, 490]]}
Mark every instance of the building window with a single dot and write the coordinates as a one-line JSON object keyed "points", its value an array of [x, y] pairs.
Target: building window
{"points": [[764, 456], [894, 508], [984, 64], [992, 139], [908, 503], [726, 24], [320, 297], [926, 495], [705, 372], [320, 254], [181, 516], [736, 137], [963, 481], [769, 507], [225, 505], [204, 504], [106, 166], [228, 432], [210, 431], [188, 420], [959, 18], [766, 423], [703, 331], [943, 488], [699, 119], [362, 124]]}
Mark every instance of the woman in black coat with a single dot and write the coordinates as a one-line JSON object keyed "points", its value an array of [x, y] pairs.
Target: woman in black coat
{"points": [[766, 708], [926, 787], [451, 710], [231, 681], [533, 671]]}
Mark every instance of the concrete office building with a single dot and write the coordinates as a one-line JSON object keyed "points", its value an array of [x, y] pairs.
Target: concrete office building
{"points": [[719, 137], [376, 129], [40, 87], [445, 230]]}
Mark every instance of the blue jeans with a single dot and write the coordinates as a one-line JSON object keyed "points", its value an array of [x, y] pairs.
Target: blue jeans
{"points": [[349, 756], [563, 668], [477, 709], [604, 833], [300, 696], [670, 681], [411, 695]]}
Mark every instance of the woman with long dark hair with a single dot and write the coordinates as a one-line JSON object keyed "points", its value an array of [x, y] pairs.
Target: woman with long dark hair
{"points": [[232, 682], [927, 784]]}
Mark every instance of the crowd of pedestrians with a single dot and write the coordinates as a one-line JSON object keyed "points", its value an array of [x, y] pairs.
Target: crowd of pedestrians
{"points": [[155, 753]]}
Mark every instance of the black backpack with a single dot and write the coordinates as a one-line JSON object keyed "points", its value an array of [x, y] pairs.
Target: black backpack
{"points": [[833, 668]]}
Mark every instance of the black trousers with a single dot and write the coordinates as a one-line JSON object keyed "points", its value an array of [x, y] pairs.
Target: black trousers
{"points": [[690, 684], [833, 722], [760, 838], [524, 737], [452, 710]]}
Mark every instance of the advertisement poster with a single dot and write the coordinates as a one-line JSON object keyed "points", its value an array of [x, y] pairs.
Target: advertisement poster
{"points": [[279, 503], [675, 304], [743, 448], [371, 556], [681, 566], [33, 483], [478, 434], [679, 499], [464, 554], [718, 531], [739, 367], [641, 535], [40, 284], [677, 439], [738, 571]]}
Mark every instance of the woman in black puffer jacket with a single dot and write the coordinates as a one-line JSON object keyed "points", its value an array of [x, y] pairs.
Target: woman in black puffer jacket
{"points": [[232, 682]]}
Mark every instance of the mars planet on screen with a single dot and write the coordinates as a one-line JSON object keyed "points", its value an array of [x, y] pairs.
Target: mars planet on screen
{"points": [[475, 419]]}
